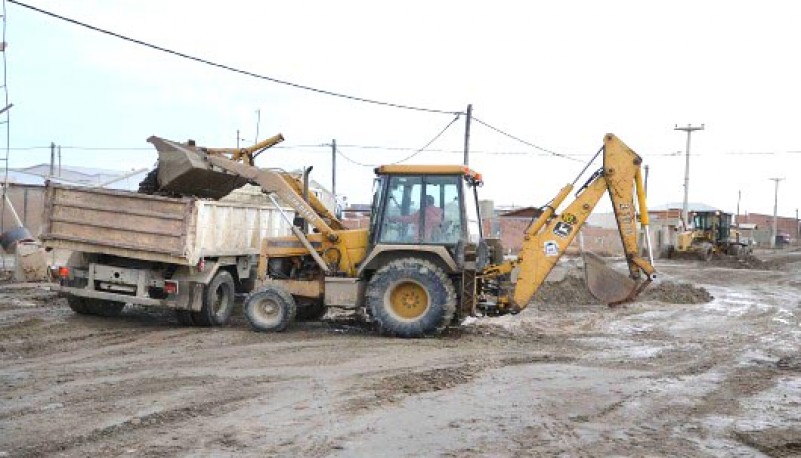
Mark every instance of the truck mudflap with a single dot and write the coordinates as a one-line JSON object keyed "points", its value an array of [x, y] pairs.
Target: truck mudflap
{"points": [[181, 301]]}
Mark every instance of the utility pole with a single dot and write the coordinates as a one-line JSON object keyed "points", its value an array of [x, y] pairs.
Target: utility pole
{"points": [[689, 129], [334, 168], [775, 230], [258, 121], [237, 139], [468, 118], [739, 197], [52, 159]]}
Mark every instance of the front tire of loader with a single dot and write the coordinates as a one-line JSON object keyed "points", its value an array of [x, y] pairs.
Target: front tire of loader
{"points": [[411, 297], [270, 309], [218, 301]]}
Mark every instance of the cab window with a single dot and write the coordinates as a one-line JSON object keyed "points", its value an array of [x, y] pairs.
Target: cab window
{"points": [[422, 210]]}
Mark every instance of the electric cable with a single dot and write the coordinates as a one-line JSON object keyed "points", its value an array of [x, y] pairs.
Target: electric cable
{"points": [[228, 67], [506, 134], [418, 151], [408, 148]]}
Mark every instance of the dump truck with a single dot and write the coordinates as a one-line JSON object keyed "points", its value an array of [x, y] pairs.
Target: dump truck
{"points": [[189, 254], [423, 264]]}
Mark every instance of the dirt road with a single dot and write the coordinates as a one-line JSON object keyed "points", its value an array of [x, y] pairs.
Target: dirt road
{"points": [[650, 378]]}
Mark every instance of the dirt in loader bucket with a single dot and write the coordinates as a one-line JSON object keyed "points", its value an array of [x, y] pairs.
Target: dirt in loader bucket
{"points": [[184, 169], [606, 284]]}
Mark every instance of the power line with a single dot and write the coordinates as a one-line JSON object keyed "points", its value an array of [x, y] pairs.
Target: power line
{"points": [[232, 69], [506, 134], [409, 148], [418, 151], [353, 161]]}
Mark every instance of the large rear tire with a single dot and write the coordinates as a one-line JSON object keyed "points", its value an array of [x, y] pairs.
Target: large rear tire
{"points": [[218, 301], [270, 309], [411, 297]]}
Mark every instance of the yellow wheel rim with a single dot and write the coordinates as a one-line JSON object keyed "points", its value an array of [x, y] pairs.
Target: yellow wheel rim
{"points": [[408, 300]]}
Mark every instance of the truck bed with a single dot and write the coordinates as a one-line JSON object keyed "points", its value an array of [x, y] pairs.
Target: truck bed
{"points": [[155, 228]]}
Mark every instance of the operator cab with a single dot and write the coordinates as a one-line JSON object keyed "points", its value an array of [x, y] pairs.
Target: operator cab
{"points": [[425, 205], [715, 225]]}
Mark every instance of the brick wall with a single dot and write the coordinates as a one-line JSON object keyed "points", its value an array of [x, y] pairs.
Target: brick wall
{"points": [[785, 225], [510, 230]]}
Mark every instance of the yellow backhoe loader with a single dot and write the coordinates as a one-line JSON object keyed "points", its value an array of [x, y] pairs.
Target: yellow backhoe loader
{"points": [[423, 263]]}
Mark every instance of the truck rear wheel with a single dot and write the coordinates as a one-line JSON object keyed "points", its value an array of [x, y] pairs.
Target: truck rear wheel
{"points": [[411, 298], [77, 305], [89, 306], [104, 308], [218, 301], [270, 309], [184, 317]]}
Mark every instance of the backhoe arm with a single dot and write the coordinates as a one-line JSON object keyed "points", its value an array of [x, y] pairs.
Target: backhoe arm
{"points": [[548, 237]]}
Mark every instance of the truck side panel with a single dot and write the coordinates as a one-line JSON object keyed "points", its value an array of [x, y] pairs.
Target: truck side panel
{"points": [[230, 229], [117, 222], [154, 228]]}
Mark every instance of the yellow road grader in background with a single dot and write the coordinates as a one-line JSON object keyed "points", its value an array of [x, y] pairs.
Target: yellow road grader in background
{"points": [[711, 234], [423, 264]]}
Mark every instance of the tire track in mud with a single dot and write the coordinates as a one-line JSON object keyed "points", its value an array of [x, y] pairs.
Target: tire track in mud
{"points": [[105, 391], [775, 442], [396, 387], [168, 417]]}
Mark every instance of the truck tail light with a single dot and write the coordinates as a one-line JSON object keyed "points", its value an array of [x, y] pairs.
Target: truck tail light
{"points": [[171, 287], [63, 272]]}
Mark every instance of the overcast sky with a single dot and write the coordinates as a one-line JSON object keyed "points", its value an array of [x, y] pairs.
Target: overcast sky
{"points": [[557, 74]]}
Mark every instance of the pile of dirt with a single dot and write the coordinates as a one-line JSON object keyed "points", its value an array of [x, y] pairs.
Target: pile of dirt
{"points": [[677, 293], [733, 262], [570, 291], [573, 291], [429, 380]]}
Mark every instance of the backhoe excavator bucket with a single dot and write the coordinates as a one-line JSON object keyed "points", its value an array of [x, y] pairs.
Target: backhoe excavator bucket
{"points": [[607, 285]]}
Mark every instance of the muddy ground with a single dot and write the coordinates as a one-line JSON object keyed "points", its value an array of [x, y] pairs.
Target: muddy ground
{"points": [[569, 377]]}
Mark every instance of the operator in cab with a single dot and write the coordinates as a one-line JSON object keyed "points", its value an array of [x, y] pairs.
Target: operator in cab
{"points": [[432, 215]]}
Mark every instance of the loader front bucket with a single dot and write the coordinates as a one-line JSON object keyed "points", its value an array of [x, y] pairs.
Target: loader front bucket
{"points": [[183, 169], [607, 285]]}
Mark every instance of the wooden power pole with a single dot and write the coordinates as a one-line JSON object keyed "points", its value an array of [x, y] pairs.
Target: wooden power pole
{"points": [[334, 168], [468, 118]]}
